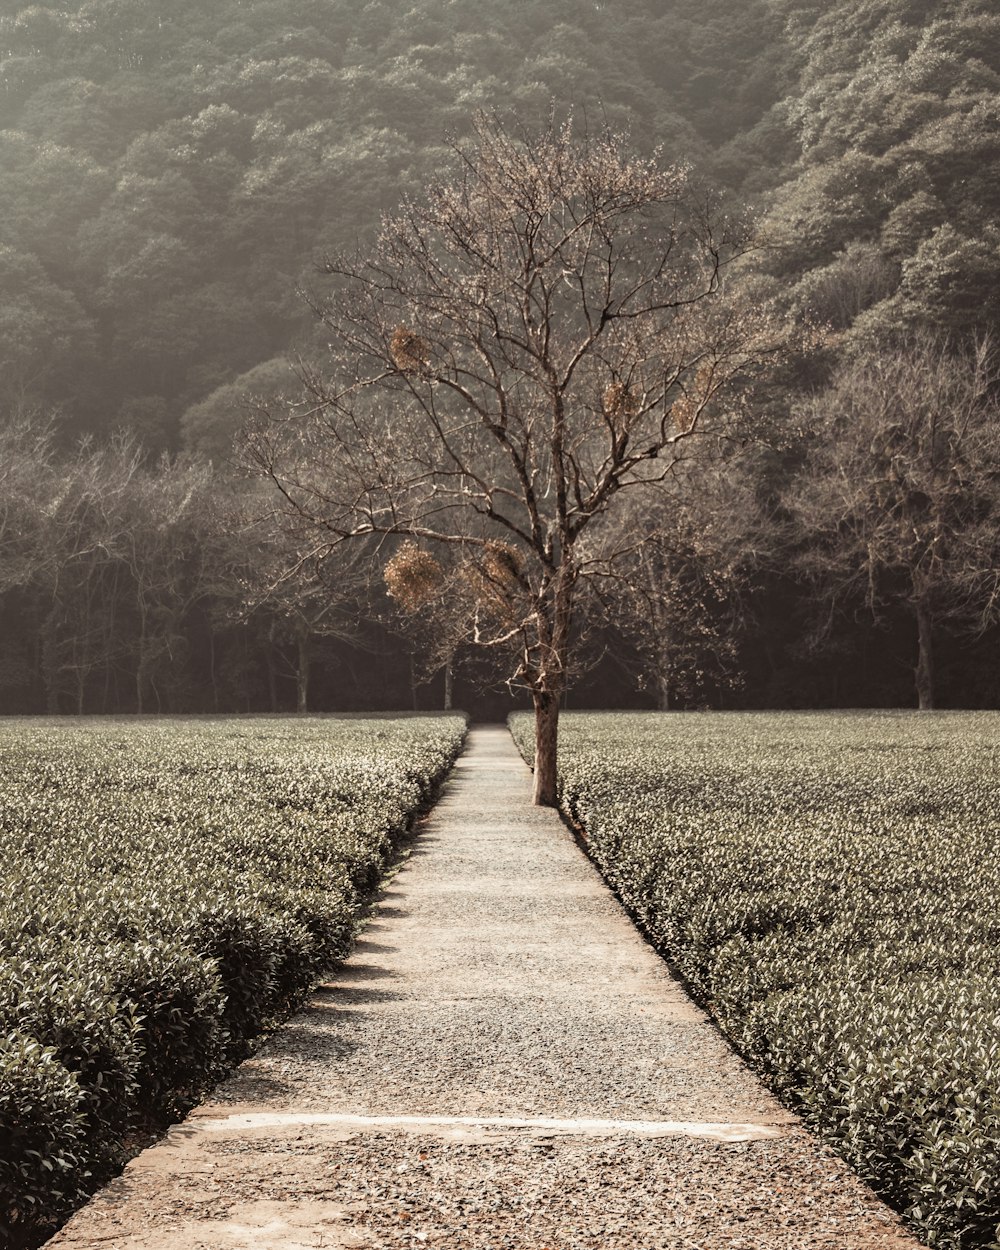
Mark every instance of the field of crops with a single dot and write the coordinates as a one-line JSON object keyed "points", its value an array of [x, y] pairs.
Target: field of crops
{"points": [[167, 889], [829, 884]]}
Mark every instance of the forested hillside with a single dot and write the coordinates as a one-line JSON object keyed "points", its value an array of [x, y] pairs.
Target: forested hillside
{"points": [[173, 175], [887, 215]]}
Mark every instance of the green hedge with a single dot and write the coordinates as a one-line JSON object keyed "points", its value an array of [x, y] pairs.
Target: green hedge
{"points": [[829, 885], [168, 889]]}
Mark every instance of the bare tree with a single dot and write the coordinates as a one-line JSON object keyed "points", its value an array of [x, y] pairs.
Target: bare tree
{"points": [[76, 578], [900, 485], [443, 603], [26, 468], [26, 472], [679, 596], [163, 551], [303, 595], [539, 334]]}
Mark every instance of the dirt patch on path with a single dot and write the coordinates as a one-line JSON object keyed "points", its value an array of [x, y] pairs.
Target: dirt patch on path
{"points": [[503, 1063]]}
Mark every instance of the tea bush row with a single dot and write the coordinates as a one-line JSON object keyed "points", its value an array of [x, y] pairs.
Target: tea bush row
{"points": [[168, 888], [829, 885]]}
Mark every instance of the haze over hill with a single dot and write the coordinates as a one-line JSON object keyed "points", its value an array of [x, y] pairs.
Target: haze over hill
{"points": [[170, 176]]}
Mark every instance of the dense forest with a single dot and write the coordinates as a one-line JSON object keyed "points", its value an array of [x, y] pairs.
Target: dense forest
{"points": [[173, 179]]}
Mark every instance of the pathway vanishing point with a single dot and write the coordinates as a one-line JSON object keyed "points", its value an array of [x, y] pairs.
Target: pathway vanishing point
{"points": [[503, 1064]]}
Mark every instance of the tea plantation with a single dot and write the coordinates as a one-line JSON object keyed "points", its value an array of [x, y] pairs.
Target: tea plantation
{"points": [[829, 885], [167, 889]]}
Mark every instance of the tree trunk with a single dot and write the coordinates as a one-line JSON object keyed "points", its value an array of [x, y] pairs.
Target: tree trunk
{"points": [[553, 646], [546, 746], [302, 675], [449, 687], [106, 690], [142, 664], [50, 662], [661, 642], [925, 660], [272, 678], [213, 674], [272, 672]]}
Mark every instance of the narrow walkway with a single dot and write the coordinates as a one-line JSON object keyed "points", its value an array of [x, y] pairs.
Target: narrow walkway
{"points": [[503, 1063]]}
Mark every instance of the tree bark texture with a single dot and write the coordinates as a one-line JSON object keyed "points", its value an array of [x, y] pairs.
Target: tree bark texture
{"points": [[50, 662], [925, 660], [546, 745], [302, 676]]}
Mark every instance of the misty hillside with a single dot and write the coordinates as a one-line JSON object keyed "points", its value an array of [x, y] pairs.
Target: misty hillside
{"points": [[171, 173], [888, 214]]}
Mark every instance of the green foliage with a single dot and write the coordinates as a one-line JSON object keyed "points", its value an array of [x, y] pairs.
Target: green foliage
{"points": [[828, 885], [42, 1144], [169, 889], [896, 122], [179, 1003]]}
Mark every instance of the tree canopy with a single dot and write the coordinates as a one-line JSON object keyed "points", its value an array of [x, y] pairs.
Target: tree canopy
{"points": [[542, 332]]}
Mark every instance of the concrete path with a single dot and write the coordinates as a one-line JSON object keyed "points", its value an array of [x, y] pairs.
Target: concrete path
{"points": [[503, 1063]]}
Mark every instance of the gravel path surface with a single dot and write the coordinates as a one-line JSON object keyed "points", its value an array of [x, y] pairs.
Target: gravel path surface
{"points": [[503, 1062]]}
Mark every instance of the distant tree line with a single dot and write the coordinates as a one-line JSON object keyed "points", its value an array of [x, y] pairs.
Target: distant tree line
{"points": [[859, 564], [131, 583]]}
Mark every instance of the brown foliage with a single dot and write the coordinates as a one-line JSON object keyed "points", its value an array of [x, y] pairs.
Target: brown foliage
{"points": [[413, 577], [410, 353]]}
